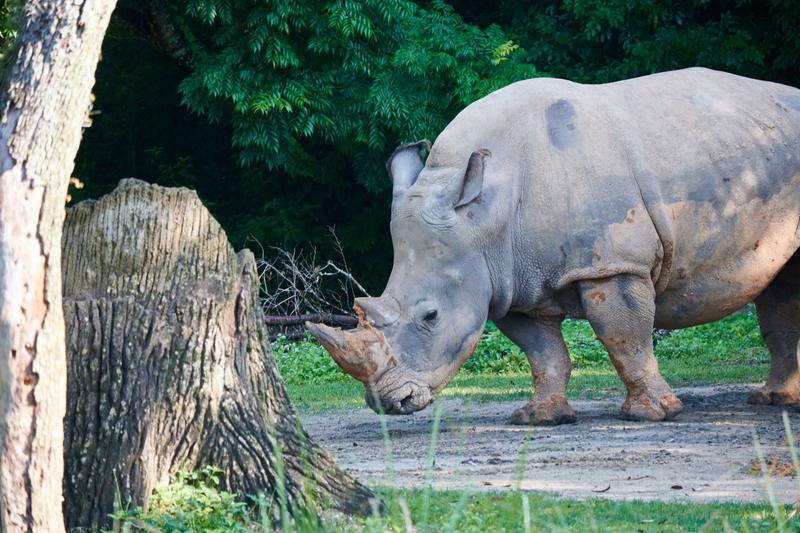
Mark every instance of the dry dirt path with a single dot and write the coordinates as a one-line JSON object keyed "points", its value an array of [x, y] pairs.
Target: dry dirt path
{"points": [[705, 454]]}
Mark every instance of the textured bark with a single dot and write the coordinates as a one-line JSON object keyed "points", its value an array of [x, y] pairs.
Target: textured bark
{"points": [[43, 101], [169, 362]]}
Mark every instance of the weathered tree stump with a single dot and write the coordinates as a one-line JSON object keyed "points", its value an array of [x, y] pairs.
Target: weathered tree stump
{"points": [[169, 364]]}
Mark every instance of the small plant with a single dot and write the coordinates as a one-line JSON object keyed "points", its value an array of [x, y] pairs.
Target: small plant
{"points": [[192, 502], [305, 361]]}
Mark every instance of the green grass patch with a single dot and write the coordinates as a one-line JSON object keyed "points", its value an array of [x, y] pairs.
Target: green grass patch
{"points": [[487, 511], [728, 351], [193, 502], [599, 382]]}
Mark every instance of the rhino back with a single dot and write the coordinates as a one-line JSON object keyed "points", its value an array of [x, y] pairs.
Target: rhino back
{"points": [[691, 177]]}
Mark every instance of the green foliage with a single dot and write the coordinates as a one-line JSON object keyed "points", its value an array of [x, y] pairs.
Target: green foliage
{"points": [[10, 18], [192, 502], [608, 40], [317, 94], [305, 362], [299, 79], [503, 512], [496, 354], [737, 338]]}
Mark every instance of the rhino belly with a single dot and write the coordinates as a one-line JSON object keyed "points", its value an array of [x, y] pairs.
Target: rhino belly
{"points": [[722, 261]]}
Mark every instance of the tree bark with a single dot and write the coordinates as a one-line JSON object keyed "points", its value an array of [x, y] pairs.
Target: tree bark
{"points": [[44, 96], [169, 363]]}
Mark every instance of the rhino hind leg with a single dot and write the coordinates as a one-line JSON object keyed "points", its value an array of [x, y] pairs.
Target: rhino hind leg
{"points": [[621, 311], [541, 340], [778, 309]]}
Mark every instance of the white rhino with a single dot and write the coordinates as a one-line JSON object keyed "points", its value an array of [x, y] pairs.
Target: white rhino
{"points": [[669, 200]]}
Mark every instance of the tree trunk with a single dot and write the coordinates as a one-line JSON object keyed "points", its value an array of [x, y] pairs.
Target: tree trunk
{"points": [[169, 363], [44, 97]]}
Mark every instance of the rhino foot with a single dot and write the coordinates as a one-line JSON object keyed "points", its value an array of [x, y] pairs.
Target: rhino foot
{"points": [[653, 408], [768, 395], [552, 411]]}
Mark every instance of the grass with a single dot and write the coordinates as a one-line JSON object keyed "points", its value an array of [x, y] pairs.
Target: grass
{"points": [[503, 511], [194, 503], [728, 351], [596, 382], [179, 507]]}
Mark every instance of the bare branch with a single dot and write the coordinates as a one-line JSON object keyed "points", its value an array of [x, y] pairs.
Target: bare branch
{"points": [[294, 286], [349, 276]]}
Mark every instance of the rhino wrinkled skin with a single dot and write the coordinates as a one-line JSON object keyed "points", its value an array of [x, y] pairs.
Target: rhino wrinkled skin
{"points": [[669, 200]]}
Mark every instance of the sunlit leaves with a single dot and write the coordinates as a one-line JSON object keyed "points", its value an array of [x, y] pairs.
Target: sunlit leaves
{"points": [[359, 75], [503, 52]]}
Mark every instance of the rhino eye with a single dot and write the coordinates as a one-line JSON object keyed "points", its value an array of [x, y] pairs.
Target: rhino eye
{"points": [[430, 316]]}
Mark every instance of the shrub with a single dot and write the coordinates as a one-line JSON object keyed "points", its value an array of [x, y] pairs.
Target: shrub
{"points": [[192, 502]]}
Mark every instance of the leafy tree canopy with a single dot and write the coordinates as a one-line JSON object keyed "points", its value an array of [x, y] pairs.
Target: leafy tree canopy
{"points": [[300, 79], [281, 112], [315, 95], [607, 40]]}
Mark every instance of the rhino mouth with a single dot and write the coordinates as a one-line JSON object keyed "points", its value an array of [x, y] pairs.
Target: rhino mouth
{"points": [[407, 398], [364, 354]]}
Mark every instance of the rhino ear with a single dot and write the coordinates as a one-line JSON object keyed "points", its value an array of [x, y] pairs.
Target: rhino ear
{"points": [[466, 187], [405, 164]]}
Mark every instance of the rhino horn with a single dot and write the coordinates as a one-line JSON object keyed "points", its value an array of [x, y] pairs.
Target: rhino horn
{"points": [[330, 338], [335, 343], [363, 353], [380, 312]]}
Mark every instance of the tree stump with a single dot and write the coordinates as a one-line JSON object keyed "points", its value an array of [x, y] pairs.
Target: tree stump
{"points": [[169, 363]]}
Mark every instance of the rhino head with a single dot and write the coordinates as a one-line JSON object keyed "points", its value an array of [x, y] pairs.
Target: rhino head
{"points": [[413, 338]]}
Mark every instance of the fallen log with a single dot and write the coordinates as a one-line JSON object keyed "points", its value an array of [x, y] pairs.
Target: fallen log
{"points": [[342, 321], [293, 326]]}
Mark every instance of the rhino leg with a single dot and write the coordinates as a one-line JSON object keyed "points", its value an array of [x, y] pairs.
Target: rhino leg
{"points": [[541, 340], [778, 309], [621, 311]]}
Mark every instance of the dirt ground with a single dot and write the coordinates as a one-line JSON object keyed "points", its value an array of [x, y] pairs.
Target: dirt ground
{"points": [[706, 454]]}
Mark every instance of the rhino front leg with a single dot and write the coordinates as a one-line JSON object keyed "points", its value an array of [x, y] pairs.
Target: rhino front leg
{"points": [[621, 311], [541, 340]]}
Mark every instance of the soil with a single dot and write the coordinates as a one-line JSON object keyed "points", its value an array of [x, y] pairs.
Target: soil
{"points": [[705, 454]]}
